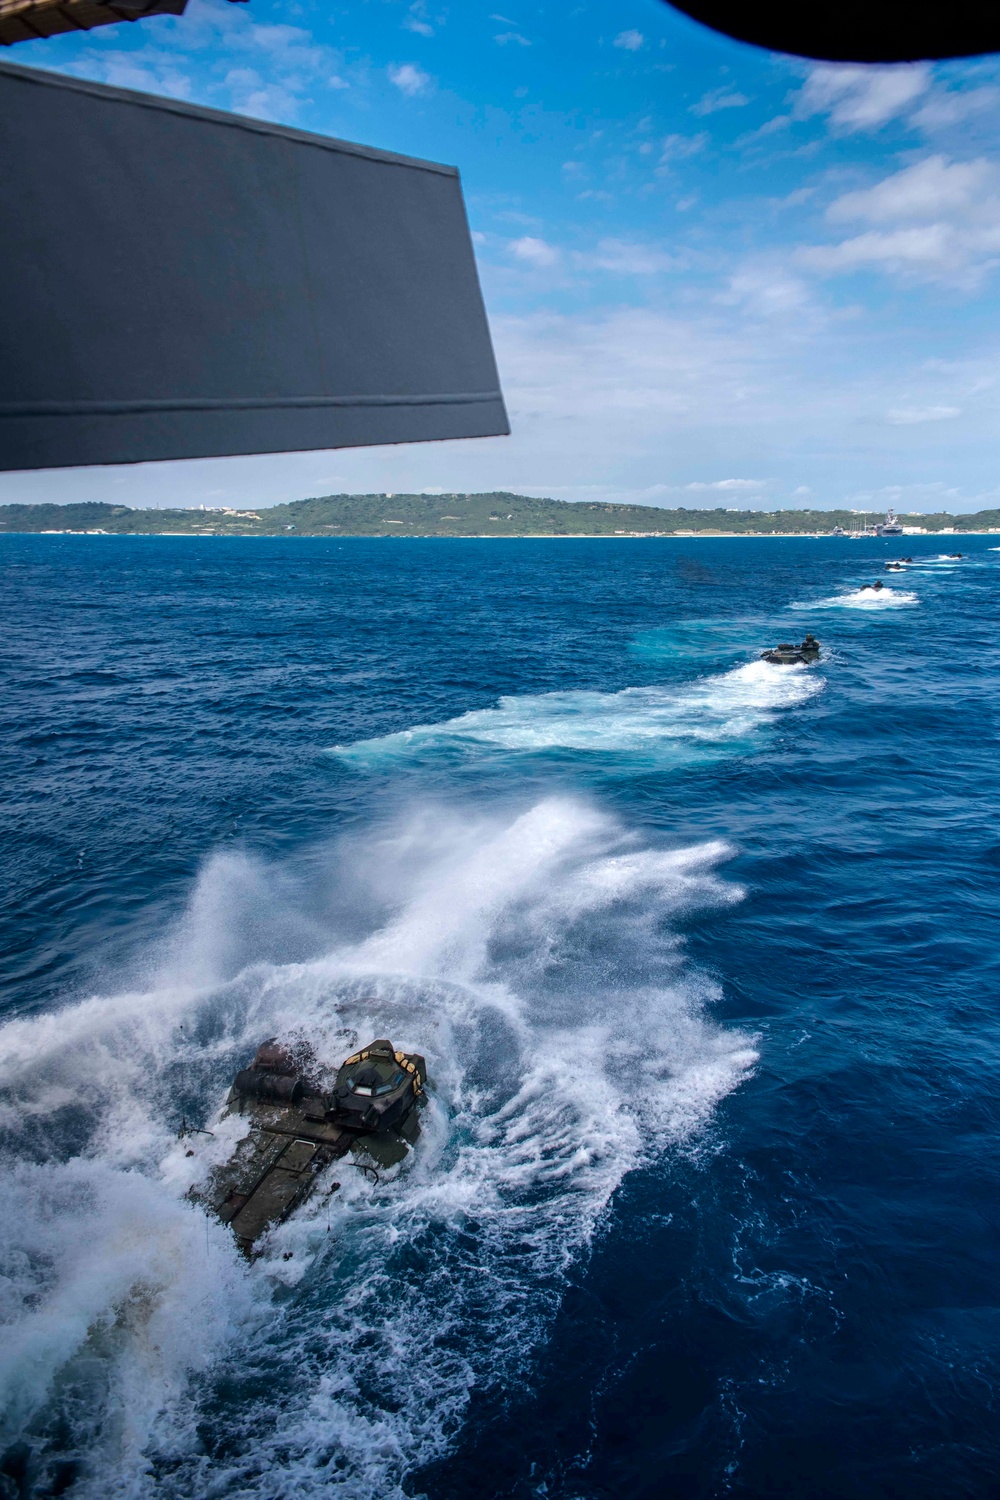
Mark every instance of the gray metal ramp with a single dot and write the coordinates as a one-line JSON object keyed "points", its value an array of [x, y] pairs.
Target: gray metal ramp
{"points": [[176, 282]]}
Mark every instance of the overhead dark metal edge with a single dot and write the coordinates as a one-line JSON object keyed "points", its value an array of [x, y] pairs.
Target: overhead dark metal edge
{"points": [[879, 32], [140, 406], [80, 439], [46, 78]]}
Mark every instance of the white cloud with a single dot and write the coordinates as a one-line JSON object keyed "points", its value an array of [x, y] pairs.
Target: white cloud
{"points": [[766, 291], [711, 103], [861, 97], [947, 107], [534, 252], [937, 220], [627, 258], [417, 19], [929, 249], [507, 37], [909, 416], [728, 484], [679, 147], [929, 189], [769, 127], [796, 197], [221, 56], [856, 98], [148, 69], [409, 79], [628, 371], [630, 41]]}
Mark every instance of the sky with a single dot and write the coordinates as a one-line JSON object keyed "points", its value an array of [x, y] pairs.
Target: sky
{"points": [[714, 275]]}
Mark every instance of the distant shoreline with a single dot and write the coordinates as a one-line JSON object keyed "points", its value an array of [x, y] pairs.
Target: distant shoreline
{"points": [[490, 516], [492, 536]]}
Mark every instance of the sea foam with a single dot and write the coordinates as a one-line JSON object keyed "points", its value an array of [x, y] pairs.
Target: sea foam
{"points": [[534, 958], [659, 725], [867, 599]]}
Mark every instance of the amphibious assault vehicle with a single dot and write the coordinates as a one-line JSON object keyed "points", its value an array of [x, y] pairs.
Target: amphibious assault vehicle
{"points": [[786, 655], [296, 1127]]}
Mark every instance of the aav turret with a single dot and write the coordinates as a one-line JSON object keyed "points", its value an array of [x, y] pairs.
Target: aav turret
{"points": [[377, 1088]]}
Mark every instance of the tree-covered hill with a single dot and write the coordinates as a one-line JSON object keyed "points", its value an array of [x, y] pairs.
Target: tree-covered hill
{"points": [[494, 514]]}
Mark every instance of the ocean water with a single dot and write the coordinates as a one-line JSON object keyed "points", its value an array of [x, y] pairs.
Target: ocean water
{"points": [[702, 954]]}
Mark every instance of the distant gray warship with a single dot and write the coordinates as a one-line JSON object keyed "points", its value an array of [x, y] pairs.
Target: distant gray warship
{"points": [[295, 1128]]}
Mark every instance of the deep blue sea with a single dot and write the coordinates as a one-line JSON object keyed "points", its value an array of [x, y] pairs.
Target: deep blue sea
{"points": [[702, 953]]}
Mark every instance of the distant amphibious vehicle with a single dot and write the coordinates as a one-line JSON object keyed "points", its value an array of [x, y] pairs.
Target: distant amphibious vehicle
{"points": [[296, 1127], [786, 655]]}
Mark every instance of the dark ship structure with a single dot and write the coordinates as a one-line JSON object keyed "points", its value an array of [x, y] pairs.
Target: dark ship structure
{"points": [[864, 31], [176, 282]]}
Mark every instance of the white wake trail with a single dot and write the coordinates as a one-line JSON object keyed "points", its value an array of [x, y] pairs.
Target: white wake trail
{"points": [[659, 724], [864, 599]]}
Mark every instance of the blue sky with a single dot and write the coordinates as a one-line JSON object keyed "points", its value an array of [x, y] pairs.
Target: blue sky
{"points": [[714, 275]]}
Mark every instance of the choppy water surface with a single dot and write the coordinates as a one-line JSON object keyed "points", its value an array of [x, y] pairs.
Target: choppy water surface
{"points": [[702, 954]]}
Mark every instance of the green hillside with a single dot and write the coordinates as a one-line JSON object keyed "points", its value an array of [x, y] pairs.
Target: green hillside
{"points": [[495, 514]]}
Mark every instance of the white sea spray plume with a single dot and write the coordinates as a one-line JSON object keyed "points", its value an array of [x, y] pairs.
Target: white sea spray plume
{"points": [[116, 1289], [657, 724], [864, 599], [534, 958]]}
